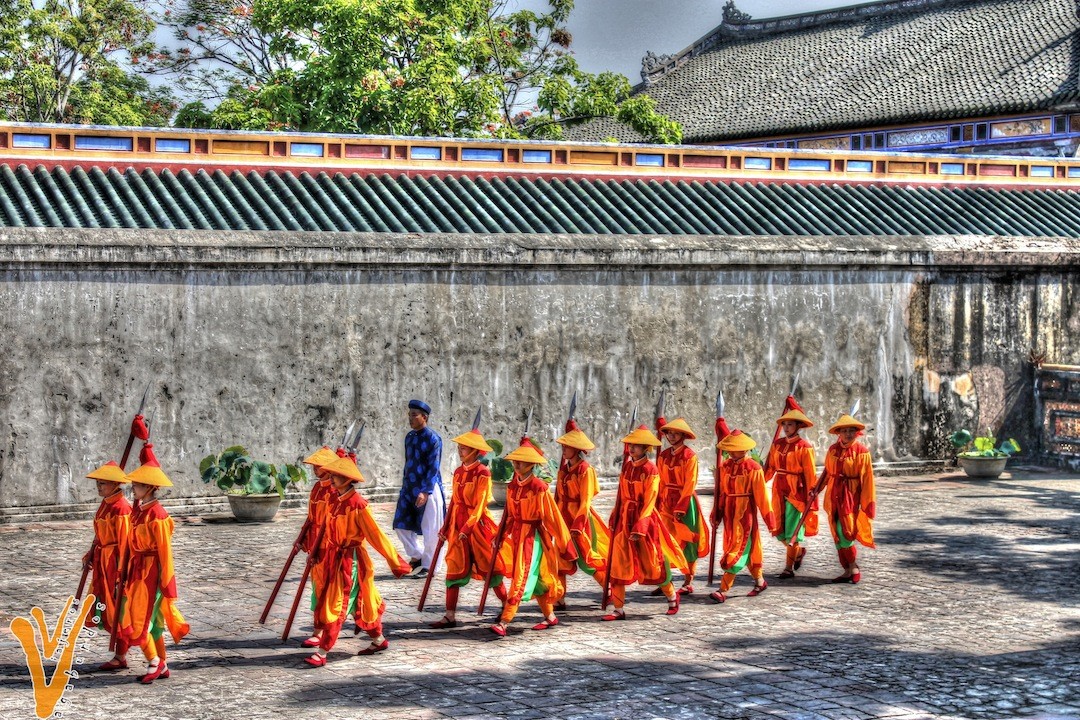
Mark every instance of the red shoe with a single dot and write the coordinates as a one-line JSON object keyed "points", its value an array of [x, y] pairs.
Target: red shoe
{"points": [[686, 590], [758, 589], [161, 670], [316, 660], [113, 665], [546, 624], [499, 630], [375, 648], [856, 577], [444, 623], [717, 596], [799, 558], [673, 606], [311, 642], [617, 615]]}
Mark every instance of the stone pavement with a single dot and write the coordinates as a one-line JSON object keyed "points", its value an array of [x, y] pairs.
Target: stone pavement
{"points": [[969, 608]]}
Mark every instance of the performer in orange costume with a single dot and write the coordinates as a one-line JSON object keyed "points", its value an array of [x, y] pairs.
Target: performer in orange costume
{"points": [[150, 593], [350, 527], [643, 551], [850, 499], [742, 497], [575, 488], [790, 466], [322, 496], [678, 505], [470, 529], [112, 528], [538, 537]]}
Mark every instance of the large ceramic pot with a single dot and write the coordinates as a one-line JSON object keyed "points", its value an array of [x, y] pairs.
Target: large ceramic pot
{"points": [[254, 508], [498, 494], [983, 468]]}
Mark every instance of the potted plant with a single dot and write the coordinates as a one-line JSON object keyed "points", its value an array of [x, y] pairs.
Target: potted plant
{"points": [[981, 457], [502, 471], [254, 488]]}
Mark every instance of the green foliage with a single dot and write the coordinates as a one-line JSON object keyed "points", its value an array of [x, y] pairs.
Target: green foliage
{"points": [[396, 67], [63, 61], [501, 468], [236, 473], [984, 445]]}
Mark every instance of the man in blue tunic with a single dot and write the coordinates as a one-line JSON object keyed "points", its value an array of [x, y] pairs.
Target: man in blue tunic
{"points": [[420, 506]]}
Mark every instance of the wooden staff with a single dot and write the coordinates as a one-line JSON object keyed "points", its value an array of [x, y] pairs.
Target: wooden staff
{"points": [[435, 558], [86, 568], [716, 518], [296, 548], [495, 548], [303, 583]]}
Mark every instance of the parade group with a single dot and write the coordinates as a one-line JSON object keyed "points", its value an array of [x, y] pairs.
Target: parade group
{"points": [[656, 528]]}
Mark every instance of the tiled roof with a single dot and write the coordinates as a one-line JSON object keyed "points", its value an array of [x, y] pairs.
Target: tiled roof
{"points": [[919, 60], [414, 204]]}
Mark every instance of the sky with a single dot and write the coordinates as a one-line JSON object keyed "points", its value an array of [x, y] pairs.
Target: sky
{"points": [[615, 34]]}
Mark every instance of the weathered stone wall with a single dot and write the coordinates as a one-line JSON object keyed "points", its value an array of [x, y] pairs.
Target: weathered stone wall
{"points": [[278, 341]]}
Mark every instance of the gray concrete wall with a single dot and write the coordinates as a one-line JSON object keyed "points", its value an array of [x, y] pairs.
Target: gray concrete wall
{"points": [[278, 341]]}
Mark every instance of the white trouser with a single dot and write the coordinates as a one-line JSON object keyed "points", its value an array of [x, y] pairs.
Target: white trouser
{"points": [[423, 546]]}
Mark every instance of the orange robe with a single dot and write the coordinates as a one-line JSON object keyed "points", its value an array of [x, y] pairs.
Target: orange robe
{"points": [[471, 557], [647, 559], [538, 538], [742, 498], [112, 529], [350, 529], [850, 499], [791, 468], [678, 484], [574, 491], [322, 498], [150, 593]]}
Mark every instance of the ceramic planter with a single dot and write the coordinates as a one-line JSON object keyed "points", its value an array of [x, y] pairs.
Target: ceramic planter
{"points": [[983, 468], [254, 508]]}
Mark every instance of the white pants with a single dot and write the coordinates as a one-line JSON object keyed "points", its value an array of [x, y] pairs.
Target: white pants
{"points": [[423, 546]]}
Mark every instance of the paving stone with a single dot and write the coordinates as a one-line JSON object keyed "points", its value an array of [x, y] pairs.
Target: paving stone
{"points": [[946, 624]]}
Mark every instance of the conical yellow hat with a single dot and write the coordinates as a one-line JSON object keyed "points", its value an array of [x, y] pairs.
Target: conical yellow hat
{"points": [[642, 436], [527, 452], [321, 457], [737, 440], [150, 474], [797, 416], [474, 439], [679, 425], [577, 440], [846, 421], [110, 471], [346, 468]]}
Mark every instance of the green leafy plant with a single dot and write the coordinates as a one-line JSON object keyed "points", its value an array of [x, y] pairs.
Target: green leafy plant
{"points": [[502, 470], [236, 473], [986, 445]]}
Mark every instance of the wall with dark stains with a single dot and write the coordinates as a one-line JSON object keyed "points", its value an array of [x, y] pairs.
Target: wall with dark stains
{"points": [[278, 341]]}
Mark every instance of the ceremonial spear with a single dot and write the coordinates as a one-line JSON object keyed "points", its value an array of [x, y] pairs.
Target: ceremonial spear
{"points": [[614, 519], [442, 532], [297, 546], [123, 462], [717, 519], [499, 535], [566, 428], [350, 448]]}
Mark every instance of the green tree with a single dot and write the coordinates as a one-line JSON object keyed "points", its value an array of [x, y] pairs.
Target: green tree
{"points": [[403, 67], [65, 61]]}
